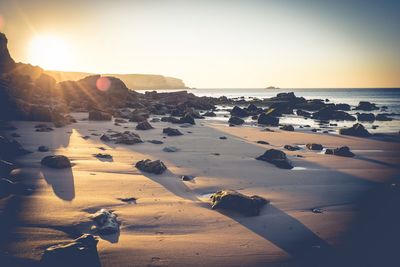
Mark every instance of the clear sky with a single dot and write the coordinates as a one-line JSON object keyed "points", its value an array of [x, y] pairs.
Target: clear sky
{"points": [[211, 43]]}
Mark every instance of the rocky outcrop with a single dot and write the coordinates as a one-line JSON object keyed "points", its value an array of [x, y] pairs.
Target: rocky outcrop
{"points": [[235, 201]]}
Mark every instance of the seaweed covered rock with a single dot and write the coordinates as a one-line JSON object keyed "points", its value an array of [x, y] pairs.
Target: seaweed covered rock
{"points": [[151, 166], [80, 252], [172, 131], [56, 162], [343, 151], [232, 200], [276, 157], [235, 121], [356, 130]]}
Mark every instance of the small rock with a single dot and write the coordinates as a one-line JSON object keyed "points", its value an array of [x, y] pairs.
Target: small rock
{"points": [[313, 146], [223, 137], [156, 142], [289, 128], [232, 200], [316, 210], [291, 148], [187, 177], [172, 132], [262, 142], [356, 130], [343, 151], [43, 149], [106, 222], [103, 156], [276, 157], [235, 121], [155, 120], [144, 125], [150, 166], [170, 149], [130, 200]]}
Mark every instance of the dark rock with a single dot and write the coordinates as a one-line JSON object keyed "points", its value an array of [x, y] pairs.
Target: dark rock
{"points": [[303, 113], [43, 149], [252, 108], [144, 125], [103, 156], [265, 119], [291, 148], [170, 149], [187, 177], [126, 138], [289, 128], [96, 115], [56, 162], [150, 166], [366, 106], [276, 157], [239, 112], [223, 137], [172, 132], [6, 168], [343, 151], [235, 201], [345, 107], [156, 142], [128, 200], [356, 130], [171, 120], [254, 117], [106, 222], [330, 113], [80, 252], [120, 120], [313, 146], [382, 117], [262, 142], [43, 128], [366, 117], [187, 119], [235, 121]]}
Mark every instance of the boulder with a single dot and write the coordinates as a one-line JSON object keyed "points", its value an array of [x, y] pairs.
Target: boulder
{"points": [[313, 146], [366, 106], [235, 201], [172, 131], [383, 117], [343, 151], [289, 128], [235, 121], [80, 252], [252, 108], [96, 115], [106, 222], [345, 107], [126, 138], [239, 112], [118, 120], [6, 168], [155, 166], [356, 130], [276, 157], [265, 119], [291, 148], [144, 125], [56, 162], [366, 117]]}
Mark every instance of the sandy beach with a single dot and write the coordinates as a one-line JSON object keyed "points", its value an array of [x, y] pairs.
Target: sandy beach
{"points": [[172, 223]]}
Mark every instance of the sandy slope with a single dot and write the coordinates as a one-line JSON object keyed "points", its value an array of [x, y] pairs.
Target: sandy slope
{"points": [[172, 223]]}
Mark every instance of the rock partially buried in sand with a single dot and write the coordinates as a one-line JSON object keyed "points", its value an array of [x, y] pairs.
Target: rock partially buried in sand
{"points": [[144, 125], [155, 166], [96, 115], [43, 149], [80, 252], [106, 222], [313, 146], [262, 142], [276, 157], [356, 130], [235, 121], [170, 149], [343, 151], [232, 200], [103, 156], [187, 177], [156, 142], [289, 128], [172, 132], [56, 162]]}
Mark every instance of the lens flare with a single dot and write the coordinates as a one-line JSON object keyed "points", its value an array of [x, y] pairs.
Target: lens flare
{"points": [[103, 83]]}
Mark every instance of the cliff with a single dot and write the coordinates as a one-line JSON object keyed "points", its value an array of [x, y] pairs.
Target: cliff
{"points": [[132, 81]]}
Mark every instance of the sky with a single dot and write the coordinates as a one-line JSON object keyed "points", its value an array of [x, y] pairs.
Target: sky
{"points": [[213, 43]]}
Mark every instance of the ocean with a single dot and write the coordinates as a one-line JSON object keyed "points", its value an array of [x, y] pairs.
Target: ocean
{"points": [[381, 97]]}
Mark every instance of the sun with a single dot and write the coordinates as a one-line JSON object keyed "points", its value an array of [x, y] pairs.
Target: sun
{"points": [[50, 52]]}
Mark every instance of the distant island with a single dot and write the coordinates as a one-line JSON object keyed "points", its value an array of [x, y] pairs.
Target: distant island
{"points": [[132, 81], [272, 87]]}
